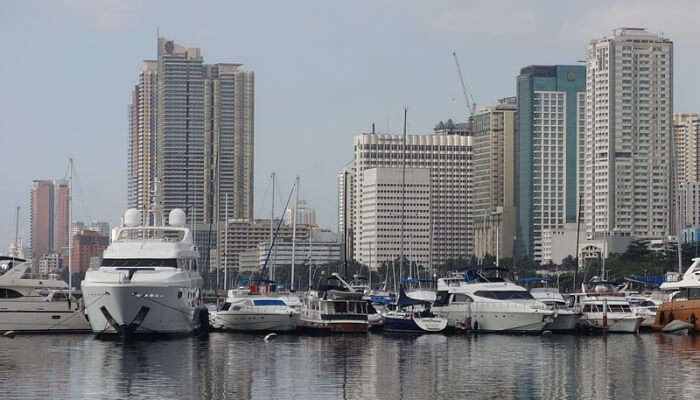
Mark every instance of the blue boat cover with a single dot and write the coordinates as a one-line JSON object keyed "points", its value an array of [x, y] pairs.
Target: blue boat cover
{"points": [[535, 279]]}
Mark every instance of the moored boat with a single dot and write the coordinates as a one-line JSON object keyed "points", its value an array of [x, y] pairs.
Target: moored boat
{"points": [[684, 303], [334, 309], [413, 316], [252, 312]]}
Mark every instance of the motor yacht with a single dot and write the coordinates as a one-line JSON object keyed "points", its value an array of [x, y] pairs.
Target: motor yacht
{"points": [[334, 309], [31, 304], [604, 308], [567, 318], [250, 311], [148, 282], [645, 307], [489, 303], [684, 303]]}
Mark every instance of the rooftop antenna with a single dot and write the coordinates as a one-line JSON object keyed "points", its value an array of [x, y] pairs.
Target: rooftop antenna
{"points": [[373, 128]]}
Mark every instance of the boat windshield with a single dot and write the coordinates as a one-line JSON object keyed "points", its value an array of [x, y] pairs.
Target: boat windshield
{"points": [[139, 262], [504, 294], [269, 302]]}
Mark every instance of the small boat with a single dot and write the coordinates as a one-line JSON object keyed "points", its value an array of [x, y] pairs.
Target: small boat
{"points": [[645, 307], [567, 318], [334, 309], [413, 316], [30, 304], [252, 312], [684, 303]]}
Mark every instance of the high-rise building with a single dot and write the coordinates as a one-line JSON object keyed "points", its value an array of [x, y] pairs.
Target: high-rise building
{"points": [[448, 157], [549, 152], [86, 245], [493, 174], [101, 227], [306, 215], [629, 108], [191, 128], [49, 218], [383, 200], [346, 209], [686, 137]]}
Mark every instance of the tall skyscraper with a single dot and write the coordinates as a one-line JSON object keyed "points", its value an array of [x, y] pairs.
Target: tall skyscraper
{"points": [[686, 135], [549, 149], [493, 174], [629, 108], [191, 127], [448, 157], [49, 218]]}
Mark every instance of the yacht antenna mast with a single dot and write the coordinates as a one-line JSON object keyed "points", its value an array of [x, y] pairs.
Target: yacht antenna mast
{"points": [[70, 228], [403, 194]]}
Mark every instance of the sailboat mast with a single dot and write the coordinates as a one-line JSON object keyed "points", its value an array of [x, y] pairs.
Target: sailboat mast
{"points": [[272, 218], [70, 227], [403, 193], [294, 232], [17, 231], [226, 250]]}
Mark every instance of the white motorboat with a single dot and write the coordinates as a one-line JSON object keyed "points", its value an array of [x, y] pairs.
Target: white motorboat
{"points": [[645, 307], [567, 317], [148, 282], [604, 308], [31, 304], [492, 304], [246, 311]]}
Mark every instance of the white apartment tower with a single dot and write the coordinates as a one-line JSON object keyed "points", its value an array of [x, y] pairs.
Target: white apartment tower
{"points": [[448, 157], [686, 135], [629, 108], [382, 202]]}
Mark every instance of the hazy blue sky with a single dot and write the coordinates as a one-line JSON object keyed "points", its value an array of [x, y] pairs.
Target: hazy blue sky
{"points": [[325, 70]]}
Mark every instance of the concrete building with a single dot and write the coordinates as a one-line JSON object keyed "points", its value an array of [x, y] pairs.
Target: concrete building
{"points": [[244, 234], [629, 108], [448, 157], [380, 209], [322, 248], [686, 135], [100, 227], [451, 128], [48, 218], [306, 215], [191, 127], [549, 151], [493, 179], [557, 244], [688, 204], [50, 263], [86, 245]]}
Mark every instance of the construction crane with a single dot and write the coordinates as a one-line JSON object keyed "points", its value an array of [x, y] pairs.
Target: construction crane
{"points": [[471, 106]]}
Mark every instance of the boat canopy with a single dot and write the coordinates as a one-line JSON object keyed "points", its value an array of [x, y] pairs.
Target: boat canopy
{"points": [[652, 280], [534, 279]]}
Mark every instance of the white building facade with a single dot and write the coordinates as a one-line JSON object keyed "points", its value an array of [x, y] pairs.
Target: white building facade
{"points": [[448, 157], [387, 208], [629, 108]]}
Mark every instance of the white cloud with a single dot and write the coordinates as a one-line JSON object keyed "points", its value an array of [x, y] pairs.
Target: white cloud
{"points": [[107, 15]]}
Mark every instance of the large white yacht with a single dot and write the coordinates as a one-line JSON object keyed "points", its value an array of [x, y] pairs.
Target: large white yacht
{"points": [[31, 304], [248, 310], [148, 282], [475, 301]]}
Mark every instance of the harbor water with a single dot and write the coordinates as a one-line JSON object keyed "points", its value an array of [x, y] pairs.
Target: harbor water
{"points": [[241, 366]]}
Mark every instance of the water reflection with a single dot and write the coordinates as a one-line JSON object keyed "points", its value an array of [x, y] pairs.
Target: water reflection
{"points": [[224, 366]]}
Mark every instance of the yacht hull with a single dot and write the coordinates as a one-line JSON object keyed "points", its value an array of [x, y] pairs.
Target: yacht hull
{"points": [[40, 316], [133, 309], [234, 321], [564, 322], [623, 324], [337, 326], [683, 310], [399, 324], [485, 318]]}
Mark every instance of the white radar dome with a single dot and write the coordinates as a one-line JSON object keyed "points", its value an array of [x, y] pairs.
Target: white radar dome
{"points": [[132, 217], [176, 217]]}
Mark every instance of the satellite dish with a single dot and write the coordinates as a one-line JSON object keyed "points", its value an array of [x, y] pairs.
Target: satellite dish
{"points": [[176, 217], [132, 217]]}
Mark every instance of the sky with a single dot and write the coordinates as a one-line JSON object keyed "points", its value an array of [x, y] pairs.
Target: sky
{"points": [[325, 71]]}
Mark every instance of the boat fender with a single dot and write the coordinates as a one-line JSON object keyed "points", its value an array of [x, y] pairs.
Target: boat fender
{"points": [[692, 319], [269, 337]]}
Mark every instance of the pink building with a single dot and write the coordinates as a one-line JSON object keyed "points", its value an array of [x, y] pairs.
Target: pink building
{"points": [[49, 217]]}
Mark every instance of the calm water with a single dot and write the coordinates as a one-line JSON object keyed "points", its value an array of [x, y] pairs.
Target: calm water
{"points": [[238, 366]]}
